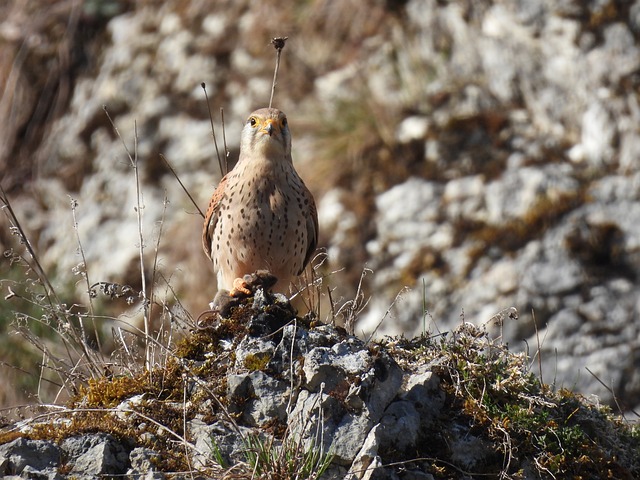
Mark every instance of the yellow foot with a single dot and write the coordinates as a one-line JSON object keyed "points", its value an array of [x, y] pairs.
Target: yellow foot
{"points": [[240, 286]]}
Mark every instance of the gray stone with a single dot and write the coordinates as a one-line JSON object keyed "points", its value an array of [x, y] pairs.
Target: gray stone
{"points": [[252, 349], [399, 426], [322, 421], [334, 472], [38, 455], [215, 439], [412, 128], [348, 436], [32, 473], [315, 417], [95, 454], [259, 397], [336, 368], [467, 450], [367, 457], [332, 366], [143, 463], [349, 389]]}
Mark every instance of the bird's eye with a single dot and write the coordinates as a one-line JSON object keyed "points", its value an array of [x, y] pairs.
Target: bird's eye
{"points": [[284, 122], [253, 121]]}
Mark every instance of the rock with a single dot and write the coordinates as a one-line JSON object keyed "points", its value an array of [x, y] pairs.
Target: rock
{"points": [[422, 390], [367, 458], [35, 474], [40, 456], [143, 465], [364, 382], [468, 450], [412, 128], [258, 397], [400, 426], [95, 454], [316, 398], [215, 439], [417, 475]]}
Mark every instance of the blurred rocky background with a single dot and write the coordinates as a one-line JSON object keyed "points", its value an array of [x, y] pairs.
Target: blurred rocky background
{"points": [[483, 154]]}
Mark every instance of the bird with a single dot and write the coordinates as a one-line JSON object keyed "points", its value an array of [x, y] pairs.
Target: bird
{"points": [[261, 216]]}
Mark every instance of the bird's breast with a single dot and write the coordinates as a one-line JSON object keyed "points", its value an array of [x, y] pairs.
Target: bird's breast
{"points": [[260, 225]]}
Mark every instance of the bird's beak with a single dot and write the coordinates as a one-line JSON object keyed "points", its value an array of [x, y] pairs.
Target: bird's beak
{"points": [[269, 126]]}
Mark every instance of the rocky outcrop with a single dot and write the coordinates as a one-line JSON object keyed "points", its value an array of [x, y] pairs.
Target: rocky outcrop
{"points": [[266, 394]]}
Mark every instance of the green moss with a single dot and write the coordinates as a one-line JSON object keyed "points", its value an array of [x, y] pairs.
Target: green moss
{"points": [[562, 431], [257, 361], [109, 392]]}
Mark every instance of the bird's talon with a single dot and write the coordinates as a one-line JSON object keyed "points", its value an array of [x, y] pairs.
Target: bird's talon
{"points": [[240, 286]]}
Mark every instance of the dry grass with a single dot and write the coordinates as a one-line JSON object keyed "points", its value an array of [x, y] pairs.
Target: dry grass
{"points": [[529, 427]]}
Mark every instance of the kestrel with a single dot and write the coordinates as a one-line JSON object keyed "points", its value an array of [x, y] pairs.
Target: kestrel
{"points": [[261, 216]]}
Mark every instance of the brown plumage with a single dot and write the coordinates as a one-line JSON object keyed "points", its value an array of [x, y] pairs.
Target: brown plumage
{"points": [[261, 216]]}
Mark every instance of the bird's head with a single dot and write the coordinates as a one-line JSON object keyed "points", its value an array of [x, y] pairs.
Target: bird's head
{"points": [[266, 132]]}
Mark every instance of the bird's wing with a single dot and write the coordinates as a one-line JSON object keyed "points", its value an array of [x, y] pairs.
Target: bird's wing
{"points": [[211, 217], [312, 228]]}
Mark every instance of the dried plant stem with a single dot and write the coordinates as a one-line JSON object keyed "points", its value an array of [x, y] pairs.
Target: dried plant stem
{"points": [[184, 421], [223, 170], [57, 317], [164, 159], [291, 372], [139, 206], [613, 395], [50, 293], [352, 308], [539, 352], [386, 314], [85, 275], [156, 250], [278, 43]]}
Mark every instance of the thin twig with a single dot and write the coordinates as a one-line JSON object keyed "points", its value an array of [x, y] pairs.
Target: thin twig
{"points": [[223, 172], [182, 185], [386, 314], [139, 206], [184, 422], [425, 312], [85, 275], [539, 352], [278, 43], [332, 305], [55, 309], [156, 250], [291, 384], [355, 306], [612, 392], [52, 297], [71, 351]]}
